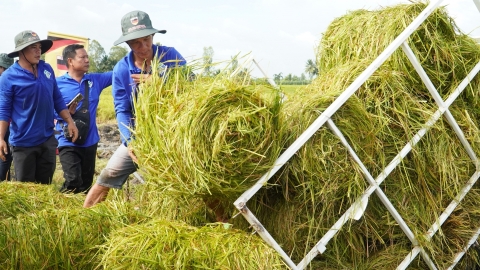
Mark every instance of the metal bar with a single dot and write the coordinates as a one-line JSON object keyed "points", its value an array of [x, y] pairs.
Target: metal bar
{"points": [[139, 177], [321, 245], [448, 211], [300, 141], [438, 99], [409, 258], [397, 159], [272, 82], [477, 3], [459, 255], [453, 96], [373, 183], [427, 260], [440, 220], [258, 227]]}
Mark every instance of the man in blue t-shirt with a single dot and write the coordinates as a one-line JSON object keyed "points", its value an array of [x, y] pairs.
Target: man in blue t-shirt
{"points": [[28, 97], [78, 160], [127, 74]]}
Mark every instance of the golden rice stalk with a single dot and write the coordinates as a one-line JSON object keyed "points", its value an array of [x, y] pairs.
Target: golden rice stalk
{"points": [[215, 139], [173, 245]]}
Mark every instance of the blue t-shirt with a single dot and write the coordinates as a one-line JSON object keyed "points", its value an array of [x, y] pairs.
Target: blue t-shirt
{"points": [[29, 103], [123, 87], [69, 89]]}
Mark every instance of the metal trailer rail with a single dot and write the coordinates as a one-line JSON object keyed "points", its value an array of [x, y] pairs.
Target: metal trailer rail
{"points": [[357, 209]]}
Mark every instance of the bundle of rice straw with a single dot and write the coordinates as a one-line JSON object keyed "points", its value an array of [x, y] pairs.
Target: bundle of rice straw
{"points": [[208, 137], [321, 181], [44, 229], [173, 245], [58, 238], [18, 198]]}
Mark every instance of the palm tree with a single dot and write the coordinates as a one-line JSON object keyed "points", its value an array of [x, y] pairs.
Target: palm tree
{"points": [[277, 77], [311, 68]]}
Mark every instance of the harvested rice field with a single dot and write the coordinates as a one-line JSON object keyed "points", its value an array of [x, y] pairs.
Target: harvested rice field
{"points": [[206, 141]]}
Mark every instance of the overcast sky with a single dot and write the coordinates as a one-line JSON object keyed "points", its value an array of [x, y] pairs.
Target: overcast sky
{"points": [[280, 34]]}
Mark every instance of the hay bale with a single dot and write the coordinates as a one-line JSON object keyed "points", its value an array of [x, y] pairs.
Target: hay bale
{"points": [[17, 198], [201, 153], [445, 52], [58, 238], [214, 140], [44, 229], [173, 245], [321, 181]]}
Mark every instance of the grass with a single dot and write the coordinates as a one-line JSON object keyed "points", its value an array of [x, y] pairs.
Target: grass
{"points": [[105, 111]]}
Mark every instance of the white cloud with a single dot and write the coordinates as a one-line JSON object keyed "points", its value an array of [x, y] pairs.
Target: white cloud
{"points": [[306, 38]]}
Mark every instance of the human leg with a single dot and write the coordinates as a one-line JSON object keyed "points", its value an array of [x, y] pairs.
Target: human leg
{"points": [[46, 161], [24, 163], [5, 167], [88, 167], [95, 195], [114, 175], [71, 161]]}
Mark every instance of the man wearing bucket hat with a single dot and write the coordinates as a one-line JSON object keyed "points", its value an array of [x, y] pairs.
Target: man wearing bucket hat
{"points": [[137, 32], [28, 97], [5, 62]]}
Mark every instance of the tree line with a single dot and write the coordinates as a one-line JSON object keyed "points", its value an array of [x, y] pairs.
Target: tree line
{"points": [[100, 61]]}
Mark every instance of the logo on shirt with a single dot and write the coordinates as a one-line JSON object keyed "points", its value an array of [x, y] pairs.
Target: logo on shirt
{"points": [[47, 73], [90, 84], [134, 20]]}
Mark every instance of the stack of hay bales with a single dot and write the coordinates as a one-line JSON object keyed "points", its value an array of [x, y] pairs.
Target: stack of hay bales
{"points": [[378, 121], [209, 144]]}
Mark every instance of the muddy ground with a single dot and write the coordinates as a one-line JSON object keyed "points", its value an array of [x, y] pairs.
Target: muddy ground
{"points": [[109, 140]]}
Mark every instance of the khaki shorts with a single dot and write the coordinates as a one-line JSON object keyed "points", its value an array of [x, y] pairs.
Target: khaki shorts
{"points": [[118, 168]]}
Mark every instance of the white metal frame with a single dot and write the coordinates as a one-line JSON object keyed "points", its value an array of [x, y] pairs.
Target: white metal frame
{"points": [[358, 207]]}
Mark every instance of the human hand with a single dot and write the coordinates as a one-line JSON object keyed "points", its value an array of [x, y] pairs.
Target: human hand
{"points": [[3, 150], [73, 131], [132, 155], [140, 78]]}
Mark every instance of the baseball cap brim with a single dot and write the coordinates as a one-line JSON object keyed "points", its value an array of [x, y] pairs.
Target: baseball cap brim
{"points": [[46, 45], [138, 34]]}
